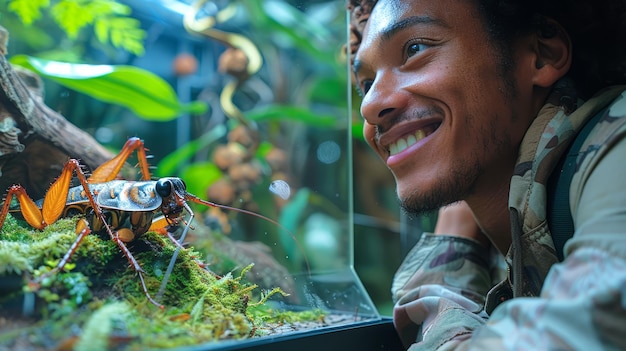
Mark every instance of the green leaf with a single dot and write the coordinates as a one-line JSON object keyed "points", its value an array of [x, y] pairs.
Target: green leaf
{"points": [[331, 91], [291, 215], [139, 90], [264, 148], [110, 20], [28, 10], [293, 26], [199, 176], [171, 163], [101, 29], [124, 33], [293, 113], [357, 130], [108, 7], [71, 17]]}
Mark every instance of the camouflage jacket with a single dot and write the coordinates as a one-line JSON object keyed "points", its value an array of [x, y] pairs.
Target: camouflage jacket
{"points": [[441, 288]]}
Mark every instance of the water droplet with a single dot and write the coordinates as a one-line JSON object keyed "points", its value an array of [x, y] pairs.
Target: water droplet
{"points": [[328, 152], [280, 188]]}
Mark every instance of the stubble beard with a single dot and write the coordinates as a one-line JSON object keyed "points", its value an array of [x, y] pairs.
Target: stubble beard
{"points": [[452, 187]]}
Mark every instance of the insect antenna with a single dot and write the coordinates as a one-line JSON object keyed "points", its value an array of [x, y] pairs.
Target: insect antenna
{"points": [[197, 200]]}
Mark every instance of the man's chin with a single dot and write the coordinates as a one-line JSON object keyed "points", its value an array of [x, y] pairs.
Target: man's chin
{"points": [[420, 203], [417, 206]]}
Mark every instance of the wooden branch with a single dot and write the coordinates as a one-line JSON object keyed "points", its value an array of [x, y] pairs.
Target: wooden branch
{"points": [[35, 141]]}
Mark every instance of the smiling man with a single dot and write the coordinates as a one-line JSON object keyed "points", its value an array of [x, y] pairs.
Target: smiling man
{"points": [[477, 103]]}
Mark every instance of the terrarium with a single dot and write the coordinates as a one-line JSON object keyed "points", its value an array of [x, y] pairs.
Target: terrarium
{"points": [[243, 110]]}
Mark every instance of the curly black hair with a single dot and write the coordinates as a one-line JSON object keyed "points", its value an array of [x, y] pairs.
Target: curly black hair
{"points": [[597, 29]]}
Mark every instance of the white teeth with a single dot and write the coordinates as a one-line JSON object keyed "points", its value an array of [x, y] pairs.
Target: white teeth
{"points": [[404, 143]]}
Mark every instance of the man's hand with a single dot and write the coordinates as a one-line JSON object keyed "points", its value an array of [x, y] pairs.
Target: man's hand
{"points": [[457, 219]]}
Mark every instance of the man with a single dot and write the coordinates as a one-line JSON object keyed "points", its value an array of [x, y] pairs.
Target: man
{"points": [[474, 103]]}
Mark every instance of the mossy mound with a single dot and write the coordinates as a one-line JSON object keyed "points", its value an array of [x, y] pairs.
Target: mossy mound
{"points": [[97, 301]]}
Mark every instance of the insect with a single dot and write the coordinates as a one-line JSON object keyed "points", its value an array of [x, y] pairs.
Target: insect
{"points": [[111, 203]]}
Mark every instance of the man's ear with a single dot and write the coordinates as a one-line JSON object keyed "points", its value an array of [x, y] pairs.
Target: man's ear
{"points": [[554, 53]]}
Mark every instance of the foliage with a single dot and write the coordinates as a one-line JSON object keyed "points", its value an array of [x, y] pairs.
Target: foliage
{"points": [[294, 27], [173, 162], [315, 93], [142, 91], [110, 19], [291, 113]]}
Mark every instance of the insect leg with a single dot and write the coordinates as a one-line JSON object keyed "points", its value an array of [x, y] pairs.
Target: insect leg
{"points": [[30, 211], [170, 267], [110, 169], [66, 258], [53, 203], [137, 268]]}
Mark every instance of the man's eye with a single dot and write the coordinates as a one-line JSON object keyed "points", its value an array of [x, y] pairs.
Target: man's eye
{"points": [[365, 87], [415, 48]]}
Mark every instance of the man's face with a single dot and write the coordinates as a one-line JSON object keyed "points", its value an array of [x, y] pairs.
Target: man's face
{"points": [[440, 108]]}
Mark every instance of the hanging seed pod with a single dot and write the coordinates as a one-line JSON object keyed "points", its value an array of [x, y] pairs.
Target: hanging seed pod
{"points": [[245, 136], [222, 191], [234, 61]]}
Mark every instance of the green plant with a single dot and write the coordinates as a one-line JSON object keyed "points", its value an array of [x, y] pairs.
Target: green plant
{"points": [[110, 20], [141, 91]]}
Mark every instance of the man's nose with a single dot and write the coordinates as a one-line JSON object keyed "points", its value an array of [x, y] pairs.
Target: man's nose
{"points": [[382, 100]]}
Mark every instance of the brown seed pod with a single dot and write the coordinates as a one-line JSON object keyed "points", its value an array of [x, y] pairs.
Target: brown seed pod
{"points": [[222, 191], [277, 159], [244, 174], [238, 151], [245, 136], [185, 64], [237, 172], [222, 157], [225, 156], [233, 61]]}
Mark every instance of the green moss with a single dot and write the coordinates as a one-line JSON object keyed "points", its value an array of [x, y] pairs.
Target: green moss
{"points": [[97, 302]]}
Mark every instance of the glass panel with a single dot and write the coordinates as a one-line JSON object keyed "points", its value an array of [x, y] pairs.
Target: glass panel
{"points": [[271, 137]]}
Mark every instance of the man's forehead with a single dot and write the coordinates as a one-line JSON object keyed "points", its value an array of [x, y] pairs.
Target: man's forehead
{"points": [[386, 15], [386, 12]]}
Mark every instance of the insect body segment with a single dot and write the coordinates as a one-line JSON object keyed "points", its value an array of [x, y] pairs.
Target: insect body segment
{"points": [[128, 196]]}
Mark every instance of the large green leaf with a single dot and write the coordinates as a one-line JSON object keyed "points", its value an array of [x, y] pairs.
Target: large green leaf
{"points": [[293, 113], [139, 90], [329, 90]]}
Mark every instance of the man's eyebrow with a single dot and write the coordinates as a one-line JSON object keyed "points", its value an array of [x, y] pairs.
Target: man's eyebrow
{"points": [[393, 28]]}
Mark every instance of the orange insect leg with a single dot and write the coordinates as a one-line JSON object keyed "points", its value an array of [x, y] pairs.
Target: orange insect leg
{"points": [[159, 224], [109, 170], [54, 201], [56, 197], [30, 211]]}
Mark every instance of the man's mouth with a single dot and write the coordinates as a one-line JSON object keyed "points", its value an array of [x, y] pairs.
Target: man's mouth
{"points": [[411, 139]]}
